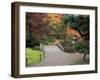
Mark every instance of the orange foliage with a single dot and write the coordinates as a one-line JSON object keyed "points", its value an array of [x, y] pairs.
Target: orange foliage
{"points": [[53, 19], [71, 32]]}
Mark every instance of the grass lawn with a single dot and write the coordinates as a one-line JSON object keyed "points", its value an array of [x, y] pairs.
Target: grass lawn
{"points": [[33, 56]]}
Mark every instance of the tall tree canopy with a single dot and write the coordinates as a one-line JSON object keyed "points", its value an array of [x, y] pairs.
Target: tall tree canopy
{"points": [[35, 28], [79, 23], [36, 21]]}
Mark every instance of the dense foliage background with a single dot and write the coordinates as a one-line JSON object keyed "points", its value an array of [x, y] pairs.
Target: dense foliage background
{"points": [[50, 28]]}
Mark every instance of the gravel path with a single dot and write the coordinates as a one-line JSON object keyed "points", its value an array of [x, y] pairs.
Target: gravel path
{"points": [[55, 57]]}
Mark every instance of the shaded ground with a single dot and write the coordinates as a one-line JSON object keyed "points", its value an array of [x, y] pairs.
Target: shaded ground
{"points": [[55, 57]]}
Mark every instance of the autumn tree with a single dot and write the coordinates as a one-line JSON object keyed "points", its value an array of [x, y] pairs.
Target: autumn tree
{"points": [[79, 23], [35, 28], [54, 22]]}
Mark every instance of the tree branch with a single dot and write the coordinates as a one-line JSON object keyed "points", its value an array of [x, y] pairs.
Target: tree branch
{"points": [[83, 35]]}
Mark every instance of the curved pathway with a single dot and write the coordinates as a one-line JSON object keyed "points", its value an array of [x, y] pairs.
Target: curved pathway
{"points": [[55, 57]]}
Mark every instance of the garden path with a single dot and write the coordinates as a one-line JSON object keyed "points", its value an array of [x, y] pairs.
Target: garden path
{"points": [[56, 57]]}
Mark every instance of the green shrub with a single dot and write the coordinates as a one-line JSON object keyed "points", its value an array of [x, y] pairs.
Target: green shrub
{"points": [[82, 47], [68, 47], [36, 47], [31, 40], [47, 39]]}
